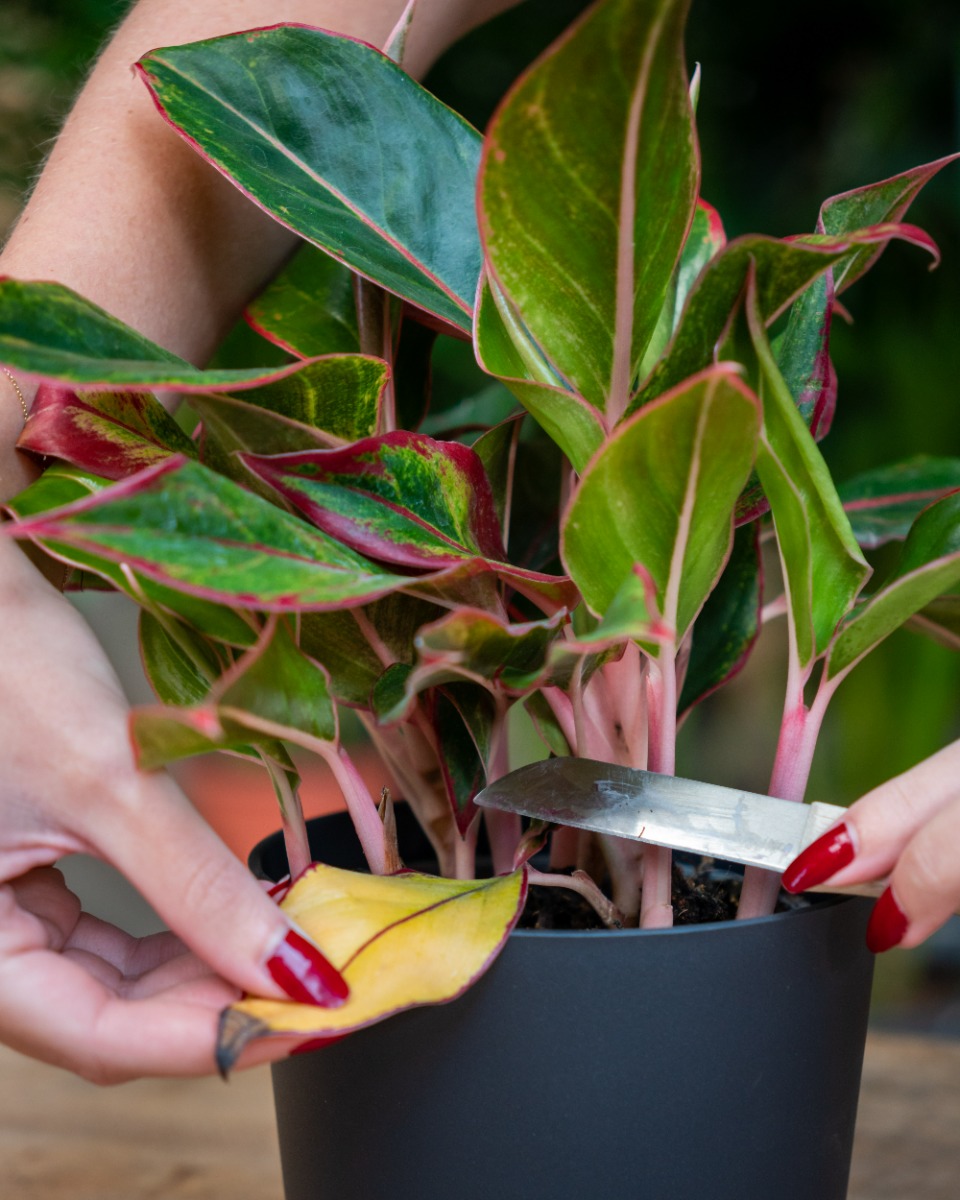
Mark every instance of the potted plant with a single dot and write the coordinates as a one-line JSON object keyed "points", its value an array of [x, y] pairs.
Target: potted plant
{"points": [[583, 537]]}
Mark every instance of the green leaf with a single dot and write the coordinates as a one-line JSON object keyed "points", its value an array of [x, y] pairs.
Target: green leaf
{"points": [[783, 270], [387, 187], [584, 207], [111, 434], [180, 668], [334, 399], [875, 204], [191, 530], [401, 497], [309, 308], [49, 332], [803, 355], [883, 503], [929, 565], [471, 645], [822, 564], [661, 493], [725, 631], [546, 724], [575, 425], [704, 241], [274, 691], [462, 716], [59, 485]]}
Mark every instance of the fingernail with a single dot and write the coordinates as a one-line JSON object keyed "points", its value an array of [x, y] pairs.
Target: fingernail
{"points": [[315, 1044], [305, 975], [821, 859], [887, 925]]}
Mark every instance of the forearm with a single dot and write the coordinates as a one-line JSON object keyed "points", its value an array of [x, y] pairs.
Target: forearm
{"points": [[127, 214], [131, 217]]}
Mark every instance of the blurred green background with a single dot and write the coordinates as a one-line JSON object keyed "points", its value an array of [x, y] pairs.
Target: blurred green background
{"points": [[792, 109]]}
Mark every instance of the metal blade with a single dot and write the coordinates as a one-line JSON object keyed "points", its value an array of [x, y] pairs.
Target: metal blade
{"points": [[704, 818]]}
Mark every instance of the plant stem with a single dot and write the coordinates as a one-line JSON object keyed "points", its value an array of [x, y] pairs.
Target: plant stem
{"points": [[465, 851], [361, 806], [503, 829], [656, 908], [799, 730], [291, 814]]}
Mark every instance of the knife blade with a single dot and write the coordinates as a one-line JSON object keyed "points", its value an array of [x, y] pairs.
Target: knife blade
{"points": [[665, 810]]}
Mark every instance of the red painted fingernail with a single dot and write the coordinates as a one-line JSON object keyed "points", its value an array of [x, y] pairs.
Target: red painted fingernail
{"points": [[887, 925], [821, 859], [305, 975], [316, 1044]]}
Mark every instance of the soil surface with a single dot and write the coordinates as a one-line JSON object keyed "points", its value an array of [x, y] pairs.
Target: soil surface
{"points": [[701, 894]]}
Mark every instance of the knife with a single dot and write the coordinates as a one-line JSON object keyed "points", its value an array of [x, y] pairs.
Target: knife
{"points": [[704, 818]]}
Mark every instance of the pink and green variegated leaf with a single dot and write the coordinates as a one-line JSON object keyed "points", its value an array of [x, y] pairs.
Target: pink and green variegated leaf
{"points": [[784, 268], [875, 204], [929, 566], [309, 309], [632, 616], [704, 241], [274, 691], [803, 355], [823, 567], [389, 186], [882, 504], [463, 717], [585, 207], [179, 663], [402, 498], [335, 399], [188, 529], [474, 646], [661, 493], [336, 641], [57, 486], [164, 734], [545, 722], [111, 434], [400, 941], [504, 350], [49, 332], [726, 630]]}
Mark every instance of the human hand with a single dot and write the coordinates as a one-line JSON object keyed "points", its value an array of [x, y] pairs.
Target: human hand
{"points": [[907, 829], [75, 991]]}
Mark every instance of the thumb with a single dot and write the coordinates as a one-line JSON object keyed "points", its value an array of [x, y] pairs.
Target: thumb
{"points": [[209, 898]]}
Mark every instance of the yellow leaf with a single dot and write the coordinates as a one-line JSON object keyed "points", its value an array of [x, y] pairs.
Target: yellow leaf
{"points": [[399, 941]]}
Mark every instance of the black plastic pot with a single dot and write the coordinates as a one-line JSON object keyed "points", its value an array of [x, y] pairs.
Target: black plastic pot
{"points": [[718, 1061]]}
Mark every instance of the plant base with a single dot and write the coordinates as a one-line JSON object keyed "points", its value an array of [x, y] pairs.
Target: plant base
{"points": [[718, 1061]]}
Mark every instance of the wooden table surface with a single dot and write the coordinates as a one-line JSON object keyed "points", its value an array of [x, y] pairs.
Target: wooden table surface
{"points": [[63, 1139]]}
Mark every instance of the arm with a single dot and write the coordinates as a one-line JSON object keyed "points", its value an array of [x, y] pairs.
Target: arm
{"points": [[126, 214]]}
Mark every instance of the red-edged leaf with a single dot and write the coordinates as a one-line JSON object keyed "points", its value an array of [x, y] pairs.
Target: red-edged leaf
{"points": [[113, 434], [183, 526], [882, 504], [880, 202], [402, 498]]}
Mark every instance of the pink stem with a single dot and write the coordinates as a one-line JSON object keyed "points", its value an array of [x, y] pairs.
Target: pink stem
{"points": [[295, 838], [362, 808], [504, 829], [799, 730], [656, 908]]}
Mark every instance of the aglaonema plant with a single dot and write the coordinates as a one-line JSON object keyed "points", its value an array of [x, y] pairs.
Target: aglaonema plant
{"points": [[581, 536]]}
